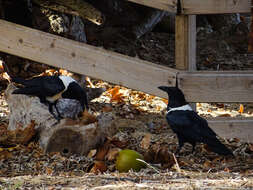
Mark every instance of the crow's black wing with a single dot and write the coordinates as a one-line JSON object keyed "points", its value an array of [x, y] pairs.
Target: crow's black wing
{"points": [[190, 125], [193, 128], [40, 86], [52, 86]]}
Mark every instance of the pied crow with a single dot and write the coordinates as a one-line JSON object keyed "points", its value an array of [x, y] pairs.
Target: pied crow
{"points": [[50, 89], [188, 125]]}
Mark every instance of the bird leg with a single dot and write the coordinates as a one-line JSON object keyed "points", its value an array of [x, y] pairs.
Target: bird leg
{"points": [[59, 115], [193, 147], [51, 111], [180, 145]]}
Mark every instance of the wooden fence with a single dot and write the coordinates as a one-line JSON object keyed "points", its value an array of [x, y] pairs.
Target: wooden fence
{"points": [[198, 86]]}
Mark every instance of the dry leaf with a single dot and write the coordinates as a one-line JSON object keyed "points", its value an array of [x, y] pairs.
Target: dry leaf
{"points": [[241, 109], [64, 72], [49, 171], [112, 154], [5, 155], [99, 167], [118, 143], [251, 147], [145, 143], [150, 98], [107, 108], [225, 115], [18, 136], [92, 153], [102, 151], [89, 82], [207, 164], [88, 118]]}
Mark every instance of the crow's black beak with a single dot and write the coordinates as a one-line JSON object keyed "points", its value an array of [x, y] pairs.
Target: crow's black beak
{"points": [[164, 88]]}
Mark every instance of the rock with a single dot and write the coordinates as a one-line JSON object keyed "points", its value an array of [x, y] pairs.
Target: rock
{"points": [[67, 136]]}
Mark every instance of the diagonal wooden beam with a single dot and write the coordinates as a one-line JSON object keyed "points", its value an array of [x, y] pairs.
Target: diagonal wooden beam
{"points": [[84, 59]]}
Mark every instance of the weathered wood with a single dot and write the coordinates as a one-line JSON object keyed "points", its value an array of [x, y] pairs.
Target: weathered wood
{"points": [[167, 5], [215, 6], [67, 136], [240, 128], [200, 6], [181, 42], [185, 42], [207, 86], [84, 59]]}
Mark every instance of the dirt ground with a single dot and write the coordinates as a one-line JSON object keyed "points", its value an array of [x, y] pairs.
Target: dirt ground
{"points": [[141, 116]]}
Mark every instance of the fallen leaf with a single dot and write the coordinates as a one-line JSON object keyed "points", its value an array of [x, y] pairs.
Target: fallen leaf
{"points": [[64, 72], [5, 155], [98, 167], [225, 115], [18, 136], [145, 142], [49, 171], [112, 154], [251, 147], [107, 108], [92, 153], [102, 151], [118, 143], [88, 118], [89, 82], [207, 164], [241, 109]]}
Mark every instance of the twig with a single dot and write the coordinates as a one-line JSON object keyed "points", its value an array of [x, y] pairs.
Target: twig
{"points": [[177, 165]]}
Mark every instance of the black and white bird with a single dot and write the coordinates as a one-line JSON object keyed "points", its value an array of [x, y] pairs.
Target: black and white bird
{"points": [[188, 125], [50, 89]]}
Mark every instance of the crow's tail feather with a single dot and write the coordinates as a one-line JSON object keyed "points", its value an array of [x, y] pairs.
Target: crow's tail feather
{"points": [[216, 146]]}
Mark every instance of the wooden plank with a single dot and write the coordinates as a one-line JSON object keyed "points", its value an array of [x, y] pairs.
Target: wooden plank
{"points": [[215, 6], [185, 42], [233, 128], [167, 5], [192, 42], [84, 59], [217, 86], [181, 42]]}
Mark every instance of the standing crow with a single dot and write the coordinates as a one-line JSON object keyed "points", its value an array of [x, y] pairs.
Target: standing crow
{"points": [[188, 125], [50, 89]]}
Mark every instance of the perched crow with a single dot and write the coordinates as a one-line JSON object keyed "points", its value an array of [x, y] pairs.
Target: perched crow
{"points": [[188, 125], [50, 89]]}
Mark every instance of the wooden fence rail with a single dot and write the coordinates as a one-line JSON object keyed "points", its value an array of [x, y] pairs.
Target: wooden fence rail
{"points": [[200, 6]]}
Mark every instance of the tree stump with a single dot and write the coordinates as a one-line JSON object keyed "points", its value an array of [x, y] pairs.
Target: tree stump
{"points": [[69, 136]]}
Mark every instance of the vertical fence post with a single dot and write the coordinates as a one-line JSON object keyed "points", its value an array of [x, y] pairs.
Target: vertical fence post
{"points": [[185, 43]]}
